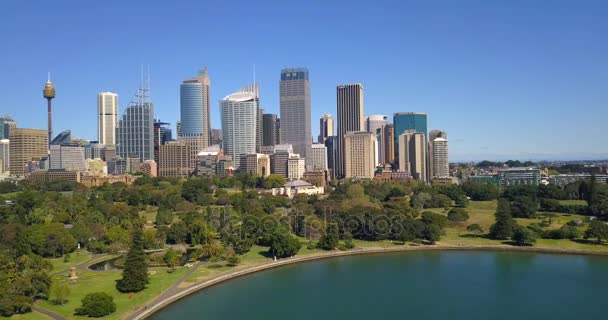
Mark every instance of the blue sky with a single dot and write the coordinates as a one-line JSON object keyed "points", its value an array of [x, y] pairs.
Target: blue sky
{"points": [[505, 78]]}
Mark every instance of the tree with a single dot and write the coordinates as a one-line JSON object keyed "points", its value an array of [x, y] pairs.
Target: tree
{"points": [[60, 293], [502, 229], [598, 230], [233, 260], [524, 236], [458, 215], [523, 206], [329, 239], [475, 228], [432, 232], [163, 217], [274, 181], [135, 273], [171, 258], [283, 245], [96, 305], [420, 200], [210, 250], [439, 201]]}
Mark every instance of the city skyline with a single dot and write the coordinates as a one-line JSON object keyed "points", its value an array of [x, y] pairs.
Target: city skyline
{"points": [[501, 71]]}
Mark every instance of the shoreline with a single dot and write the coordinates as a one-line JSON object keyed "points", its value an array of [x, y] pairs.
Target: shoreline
{"points": [[150, 310]]}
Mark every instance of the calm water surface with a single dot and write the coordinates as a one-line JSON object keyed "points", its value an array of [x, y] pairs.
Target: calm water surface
{"points": [[412, 285]]}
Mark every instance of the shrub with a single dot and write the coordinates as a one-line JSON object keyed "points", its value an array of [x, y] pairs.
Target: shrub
{"points": [[524, 236], [97, 304], [458, 215], [233, 260], [475, 228]]}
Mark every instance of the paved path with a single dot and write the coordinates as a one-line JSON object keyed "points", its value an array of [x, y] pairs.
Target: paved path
{"points": [[171, 291], [47, 313]]}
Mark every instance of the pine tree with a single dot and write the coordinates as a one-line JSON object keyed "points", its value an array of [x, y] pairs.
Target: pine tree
{"points": [[502, 229], [135, 273], [330, 238]]}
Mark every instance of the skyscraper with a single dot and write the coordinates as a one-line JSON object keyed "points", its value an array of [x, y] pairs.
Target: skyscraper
{"points": [[295, 109], [162, 134], [107, 118], [412, 154], [239, 113], [174, 160], [6, 124], [374, 122], [270, 125], [318, 158], [387, 143], [26, 145], [404, 121], [4, 155], [350, 118], [68, 157], [438, 154], [326, 127], [135, 132], [360, 154], [194, 107]]}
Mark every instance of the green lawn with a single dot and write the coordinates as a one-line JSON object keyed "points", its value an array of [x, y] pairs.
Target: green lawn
{"points": [[573, 202], [105, 281], [76, 258]]}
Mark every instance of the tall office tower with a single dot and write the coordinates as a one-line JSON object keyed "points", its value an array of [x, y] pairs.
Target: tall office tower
{"points": [[26, 145], [404, 121], [162, 134], [239, 122], [107, 117], [4, 155], [412, 154], [438, 154], [259, 131], [360, 154], [295, 109], [331, 144], [326, 127], [49, 94], [350, 119], [6, 124], [270, 125], [135, 132], [386, 144], [216, 137], [296, 167], [174, 160], [68, 157], [374, 122], [194, 107], [318, 158]]}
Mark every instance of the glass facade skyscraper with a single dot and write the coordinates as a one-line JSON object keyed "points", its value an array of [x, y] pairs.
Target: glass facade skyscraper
{"points": [[404, 121], [135, 132], [295, 110], [239, 115], [194, 107]]}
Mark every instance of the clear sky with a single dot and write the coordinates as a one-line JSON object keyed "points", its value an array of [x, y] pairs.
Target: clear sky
{"points": [[506, 78]]}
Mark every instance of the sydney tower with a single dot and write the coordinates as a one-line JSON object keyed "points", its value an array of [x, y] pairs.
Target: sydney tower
{"points": [[49, 94]]}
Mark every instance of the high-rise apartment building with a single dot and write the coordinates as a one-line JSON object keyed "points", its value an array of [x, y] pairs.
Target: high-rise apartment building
{"points": [[326, 127], [174, 160], [239, 122], [438, 154], [350, 119], [26, 145], [360, 155], [295, 109], [412, 154], [317, 159], [135, 132], [194, 107], [107, 117], [270, 128], [196, 144], [68, 157]]}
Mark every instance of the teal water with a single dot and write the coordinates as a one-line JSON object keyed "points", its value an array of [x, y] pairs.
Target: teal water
{"points": [[412, 285]]}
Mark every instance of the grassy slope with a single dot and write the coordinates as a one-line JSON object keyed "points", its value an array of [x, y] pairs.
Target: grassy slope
{"points": [[29, 316], [75, 259], [105, 281]]}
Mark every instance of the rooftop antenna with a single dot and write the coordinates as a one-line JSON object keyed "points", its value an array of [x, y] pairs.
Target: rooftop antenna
{"points": [[254, 73], [49, 77]]}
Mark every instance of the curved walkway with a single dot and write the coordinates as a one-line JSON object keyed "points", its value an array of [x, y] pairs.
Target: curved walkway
{"points": [[176, 293]]}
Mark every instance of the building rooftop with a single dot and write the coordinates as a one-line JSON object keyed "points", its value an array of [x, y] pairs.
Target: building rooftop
{"points": [[297, 184]]}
